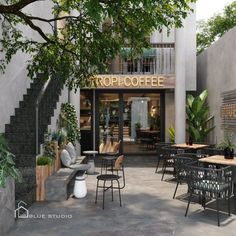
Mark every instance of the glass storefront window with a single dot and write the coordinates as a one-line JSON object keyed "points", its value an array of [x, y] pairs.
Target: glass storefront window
{"points": [[108, 122], [133, 118], [85, 110]]}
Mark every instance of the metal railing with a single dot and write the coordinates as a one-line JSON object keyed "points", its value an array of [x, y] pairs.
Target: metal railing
{"points": [[39, 98], [160, 61]]}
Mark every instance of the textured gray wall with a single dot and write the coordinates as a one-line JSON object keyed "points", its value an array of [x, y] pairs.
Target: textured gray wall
{"points": [[216, 71], [14, 82], [7, 206]]}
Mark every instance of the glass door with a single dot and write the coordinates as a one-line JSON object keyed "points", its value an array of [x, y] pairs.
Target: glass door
{"points": [[108, 120], [141, 122]]}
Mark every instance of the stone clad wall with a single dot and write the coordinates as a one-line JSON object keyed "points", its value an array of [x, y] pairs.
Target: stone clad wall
{"points": [[216, 71], [7, 206]]}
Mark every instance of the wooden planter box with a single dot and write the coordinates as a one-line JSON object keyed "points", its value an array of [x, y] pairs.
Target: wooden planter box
{"points": [[42, 173], [57, 157]]}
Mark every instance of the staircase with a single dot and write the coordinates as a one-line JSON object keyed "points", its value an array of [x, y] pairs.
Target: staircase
{"points": [[20, 133]]}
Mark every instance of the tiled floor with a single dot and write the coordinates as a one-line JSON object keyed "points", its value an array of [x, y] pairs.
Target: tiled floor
{"points": [[148, 209]]}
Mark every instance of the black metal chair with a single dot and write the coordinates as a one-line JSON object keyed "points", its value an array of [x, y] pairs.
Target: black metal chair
{"points": [[111, 178], [160, 152], [168, 161], [180, 173], [213, 183]]}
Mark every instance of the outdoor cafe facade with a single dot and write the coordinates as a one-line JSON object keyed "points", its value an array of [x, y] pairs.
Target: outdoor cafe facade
{"points": [[130, 108]]}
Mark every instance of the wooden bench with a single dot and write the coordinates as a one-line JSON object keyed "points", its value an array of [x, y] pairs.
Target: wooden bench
{"points": [[58, 187]]}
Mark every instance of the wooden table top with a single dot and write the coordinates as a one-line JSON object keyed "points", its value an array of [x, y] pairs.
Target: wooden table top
{"points": [[194, 146], [219, 159]]}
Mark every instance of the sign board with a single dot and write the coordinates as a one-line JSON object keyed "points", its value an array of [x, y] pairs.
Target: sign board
{"points": [[228, 110], [135, 81]]}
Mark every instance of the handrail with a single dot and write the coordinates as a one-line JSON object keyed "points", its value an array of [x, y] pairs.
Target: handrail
{"points": [[39, 98]]}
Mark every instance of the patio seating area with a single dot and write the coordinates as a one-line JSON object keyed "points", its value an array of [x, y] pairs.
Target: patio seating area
{"points": [[148, 208]]}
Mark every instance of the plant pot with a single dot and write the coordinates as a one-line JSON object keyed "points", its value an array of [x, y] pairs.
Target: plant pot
{"points": [[42, 173], [7, 206], [229, 153], [190, 141]]}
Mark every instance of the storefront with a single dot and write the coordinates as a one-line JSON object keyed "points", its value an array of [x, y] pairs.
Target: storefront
{"points": [[126, 108]]}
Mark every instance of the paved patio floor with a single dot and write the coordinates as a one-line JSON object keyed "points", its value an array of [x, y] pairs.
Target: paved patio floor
{"points": [[148, 209]]}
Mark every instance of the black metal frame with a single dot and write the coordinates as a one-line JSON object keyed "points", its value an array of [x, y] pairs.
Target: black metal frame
{"points": [[214, 182], [120, 93]]}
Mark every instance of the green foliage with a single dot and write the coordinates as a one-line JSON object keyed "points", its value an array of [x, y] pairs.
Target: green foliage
{"points": [[138, 125], [171, 132], [7, 165], [69, 121], [79, 49], [227, 142], [49, 151], [59, 136], [198, 117], [44, 160], [209, 31]]}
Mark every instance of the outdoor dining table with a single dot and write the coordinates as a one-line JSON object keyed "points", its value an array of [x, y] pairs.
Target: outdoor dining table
{"points": [[219, 160], [193, 146]]}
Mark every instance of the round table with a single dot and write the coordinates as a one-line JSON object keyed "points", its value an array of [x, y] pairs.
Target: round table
{"points": [[91, 155]]}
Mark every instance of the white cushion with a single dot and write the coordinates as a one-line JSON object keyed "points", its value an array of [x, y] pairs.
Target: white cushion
{"points": [[65, 158], [71, 149]]}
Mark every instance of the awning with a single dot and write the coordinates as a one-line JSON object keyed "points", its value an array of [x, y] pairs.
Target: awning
{"points": [[147, 52]]}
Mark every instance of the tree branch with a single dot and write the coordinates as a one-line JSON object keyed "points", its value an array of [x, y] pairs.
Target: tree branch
{"points": [[33, 26], [16, 7], [52, 19]]}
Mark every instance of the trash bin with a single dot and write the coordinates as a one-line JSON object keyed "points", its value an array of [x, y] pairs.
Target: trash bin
{"points": [[80, 188]]}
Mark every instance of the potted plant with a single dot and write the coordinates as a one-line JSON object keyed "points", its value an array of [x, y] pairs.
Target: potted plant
{"points": [[228, 146], [171, 131], [197, 117]]}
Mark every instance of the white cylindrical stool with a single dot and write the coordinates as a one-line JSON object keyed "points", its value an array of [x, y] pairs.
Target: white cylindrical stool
{"points": [[91, 170], [80, 188]]}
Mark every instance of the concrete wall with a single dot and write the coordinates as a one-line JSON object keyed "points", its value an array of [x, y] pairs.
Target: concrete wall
{"points": [[7, 206], [190, 51], [14, 83], [216, 71]]}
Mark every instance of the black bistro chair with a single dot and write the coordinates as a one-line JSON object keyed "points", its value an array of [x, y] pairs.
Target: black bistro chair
{"points": [[160, 152], [110, 180], [180, 173], [168, 161], [211, 183]]}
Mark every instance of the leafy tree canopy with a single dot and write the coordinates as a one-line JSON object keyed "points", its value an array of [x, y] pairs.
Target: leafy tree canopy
{"points": [[212, 29], [77, 46]]}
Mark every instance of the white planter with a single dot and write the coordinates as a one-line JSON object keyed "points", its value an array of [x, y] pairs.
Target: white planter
{"points": [[80, 188]]}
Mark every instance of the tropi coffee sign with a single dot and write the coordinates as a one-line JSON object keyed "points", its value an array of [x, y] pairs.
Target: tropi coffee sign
{"points": [[135, 81]]}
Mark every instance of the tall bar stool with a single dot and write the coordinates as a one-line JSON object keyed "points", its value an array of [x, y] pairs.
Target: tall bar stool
{"points": [[111, 178]]}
